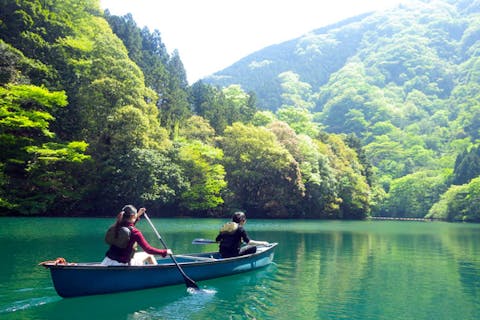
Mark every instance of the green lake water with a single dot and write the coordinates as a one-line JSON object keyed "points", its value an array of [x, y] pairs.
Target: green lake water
{"points": [[322, 270]]}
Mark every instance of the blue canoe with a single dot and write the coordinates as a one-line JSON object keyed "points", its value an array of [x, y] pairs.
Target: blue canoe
{"points": [[81, 279]]}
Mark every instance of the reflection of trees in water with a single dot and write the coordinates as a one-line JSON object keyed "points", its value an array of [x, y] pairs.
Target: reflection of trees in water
{"points": [[373, 272], [463, 244]]}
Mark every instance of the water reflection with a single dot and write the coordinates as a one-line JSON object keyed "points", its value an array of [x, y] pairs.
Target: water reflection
{"points": [[322, 270], [369, 273]]}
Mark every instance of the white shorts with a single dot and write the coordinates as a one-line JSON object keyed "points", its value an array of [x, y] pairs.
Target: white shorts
{"points": [[137, 260]]}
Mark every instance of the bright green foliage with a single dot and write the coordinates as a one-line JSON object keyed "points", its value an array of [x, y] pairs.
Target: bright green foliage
{"points": [[459, 203], [22, 110], [414, 194], [108, 106], [370, 115], [33, 164], [351, 191], [241, 104], [299, 119], [404, 81], [206, 176], [262, 175], [295, 91], [263, 118], [316, 173], [197, 128], [52, 152], [334, 178]]}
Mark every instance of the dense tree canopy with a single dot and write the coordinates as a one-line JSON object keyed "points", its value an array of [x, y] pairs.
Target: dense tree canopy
{"points": [[404, 81], [96, 113], [378, 114]]}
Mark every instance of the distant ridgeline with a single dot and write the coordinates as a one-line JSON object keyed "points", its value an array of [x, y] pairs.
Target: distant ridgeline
{"points": [[406, 82], [377, 115]]}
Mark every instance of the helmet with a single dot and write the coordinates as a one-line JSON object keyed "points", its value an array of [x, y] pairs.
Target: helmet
{"points": [[128, 211], [238, 217]]}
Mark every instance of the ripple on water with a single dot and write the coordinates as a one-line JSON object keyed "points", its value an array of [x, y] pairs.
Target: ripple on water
{"points": [[28, 303], [182, 308]]}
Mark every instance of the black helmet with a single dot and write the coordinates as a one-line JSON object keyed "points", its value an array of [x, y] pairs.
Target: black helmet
{"points": [[238, 217], [128, 211]]}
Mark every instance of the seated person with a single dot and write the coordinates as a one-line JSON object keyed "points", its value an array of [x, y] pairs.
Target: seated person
{"points": [[124, 253], [231, 236]]}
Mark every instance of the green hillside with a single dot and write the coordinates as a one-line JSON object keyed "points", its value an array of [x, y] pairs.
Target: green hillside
{"points": [[95, 113], [405, 82], [376, 115]]}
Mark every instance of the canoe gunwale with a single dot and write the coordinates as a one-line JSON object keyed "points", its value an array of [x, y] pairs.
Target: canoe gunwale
{"points": [[98, 266], [92, 278]]}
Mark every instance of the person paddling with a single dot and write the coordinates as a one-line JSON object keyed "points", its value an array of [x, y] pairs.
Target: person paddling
{"points": [[124, 254], [231, 236]]}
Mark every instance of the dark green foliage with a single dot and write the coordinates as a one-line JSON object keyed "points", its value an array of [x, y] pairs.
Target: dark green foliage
{"points": [[370, 115], [222, 107], [467, 166], [163, 73], [144, 176]]}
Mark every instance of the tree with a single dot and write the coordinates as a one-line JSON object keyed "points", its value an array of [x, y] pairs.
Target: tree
{"points": [[35, 165], [206, 174], [352, 193], [317, 174], [296, 93], [239, 104], [175, 107], [262, 175], [145, 176], [413, 195], [263, 118], [458, 203], [301, 120], [197, 128], [467, 166]]}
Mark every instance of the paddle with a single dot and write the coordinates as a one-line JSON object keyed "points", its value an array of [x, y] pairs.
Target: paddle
{"points": [[188, 282], [208, 241], [203, 241]]}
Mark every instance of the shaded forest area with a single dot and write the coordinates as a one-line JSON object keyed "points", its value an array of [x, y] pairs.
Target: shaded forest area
{"points": [[95, 113]]}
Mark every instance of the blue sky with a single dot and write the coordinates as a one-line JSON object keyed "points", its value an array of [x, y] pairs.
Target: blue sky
{"points": [[213, 34]]}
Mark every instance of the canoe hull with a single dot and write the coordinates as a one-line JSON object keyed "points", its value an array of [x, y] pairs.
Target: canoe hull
{"points": [[72, 280]]}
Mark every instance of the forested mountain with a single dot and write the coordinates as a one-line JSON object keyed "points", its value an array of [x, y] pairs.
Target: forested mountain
{"points": [[406, 82], [381, 117], [95, 113]]}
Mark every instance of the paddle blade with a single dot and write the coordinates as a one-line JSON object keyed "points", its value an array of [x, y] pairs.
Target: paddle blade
{"points": [[203, 241], [191, 284]]}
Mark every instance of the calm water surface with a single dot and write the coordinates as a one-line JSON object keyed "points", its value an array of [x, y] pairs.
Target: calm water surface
{"points": [[322, 270]]}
